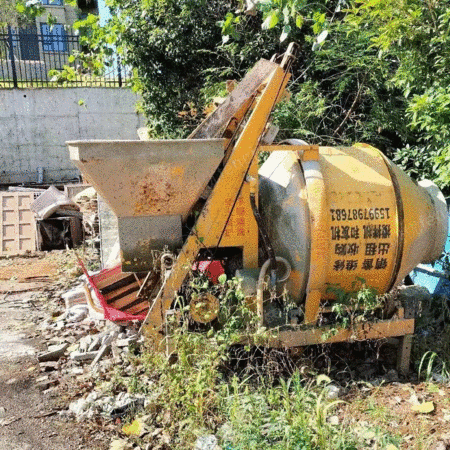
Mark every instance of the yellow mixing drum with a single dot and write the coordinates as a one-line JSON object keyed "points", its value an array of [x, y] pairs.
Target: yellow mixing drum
{"points": [[338, 214]]}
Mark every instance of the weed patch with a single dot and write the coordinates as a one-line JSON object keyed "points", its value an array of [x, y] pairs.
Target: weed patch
{"points": [[250, 399]]}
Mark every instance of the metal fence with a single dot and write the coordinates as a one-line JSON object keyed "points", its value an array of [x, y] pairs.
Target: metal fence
{"points": [[36, 57]]}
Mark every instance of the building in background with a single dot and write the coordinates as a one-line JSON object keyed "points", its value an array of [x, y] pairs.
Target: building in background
{"points": [[66, 14], [35, 49]]}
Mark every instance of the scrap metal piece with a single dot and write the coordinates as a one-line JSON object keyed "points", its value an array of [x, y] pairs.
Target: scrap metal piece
{"points": [[217, 122], [139, 236], [306, 335], [50, 202], [204, 308]]}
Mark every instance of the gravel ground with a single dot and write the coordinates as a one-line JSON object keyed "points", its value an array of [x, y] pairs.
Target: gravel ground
{"points": [[29, 416]]}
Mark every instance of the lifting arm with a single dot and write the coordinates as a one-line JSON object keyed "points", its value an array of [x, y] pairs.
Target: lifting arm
{"points": [[210, 226]]}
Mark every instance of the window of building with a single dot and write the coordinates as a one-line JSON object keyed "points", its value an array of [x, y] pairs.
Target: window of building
{"points": [[53, 2], [29, 43], [54, 39]]}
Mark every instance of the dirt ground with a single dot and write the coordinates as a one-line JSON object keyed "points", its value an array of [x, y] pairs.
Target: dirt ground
{"points": [[30, 416], [394, 408]]}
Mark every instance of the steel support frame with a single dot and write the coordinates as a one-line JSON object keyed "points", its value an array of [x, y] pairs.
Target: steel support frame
{"points": [[212, 221]]}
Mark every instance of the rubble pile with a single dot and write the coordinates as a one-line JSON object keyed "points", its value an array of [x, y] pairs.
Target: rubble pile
{"points": [[87, 201], [96, 369], [81, 354], [78, 344], [86, 365]]}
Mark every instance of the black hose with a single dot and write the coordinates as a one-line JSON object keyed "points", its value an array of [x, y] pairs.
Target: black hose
{"points": [[264, 236]]}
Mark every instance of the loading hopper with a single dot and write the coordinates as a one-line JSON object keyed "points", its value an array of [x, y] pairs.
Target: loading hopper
{"points": [[150, 185]]}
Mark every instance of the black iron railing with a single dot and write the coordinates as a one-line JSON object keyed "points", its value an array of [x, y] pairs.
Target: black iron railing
{"points": [[40, 56]]}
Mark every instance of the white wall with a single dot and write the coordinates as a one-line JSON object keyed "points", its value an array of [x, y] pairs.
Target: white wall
{"points": [[36, 123]]}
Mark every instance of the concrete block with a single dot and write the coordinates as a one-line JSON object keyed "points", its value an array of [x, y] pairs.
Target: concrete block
{"points": [[53, 354], [80, 356]]}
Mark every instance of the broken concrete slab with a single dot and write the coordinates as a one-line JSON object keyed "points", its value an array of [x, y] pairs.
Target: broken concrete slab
{"points": [[54, 353]]}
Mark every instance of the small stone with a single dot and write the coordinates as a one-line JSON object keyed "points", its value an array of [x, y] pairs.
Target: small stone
{"points": [[84, 343], [80, 356], [206, 443], [122, 342], [332, 392], [95, 344], [77, 313], [333, 420]]}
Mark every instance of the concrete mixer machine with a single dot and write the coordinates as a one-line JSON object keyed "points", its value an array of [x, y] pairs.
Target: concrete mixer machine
{"points": [[308, 219]]}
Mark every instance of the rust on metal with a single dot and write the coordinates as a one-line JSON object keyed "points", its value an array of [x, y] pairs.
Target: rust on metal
{"points": [[304, 336], [154, 192]]}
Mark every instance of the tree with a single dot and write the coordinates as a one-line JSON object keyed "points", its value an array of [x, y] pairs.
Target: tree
{"points": [[415, 36], [380, 74], [8, 13], [20, 12]]}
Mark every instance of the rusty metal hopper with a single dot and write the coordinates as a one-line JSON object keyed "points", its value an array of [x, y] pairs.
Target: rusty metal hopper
{"points": [[148, 178], [150, 186]]}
